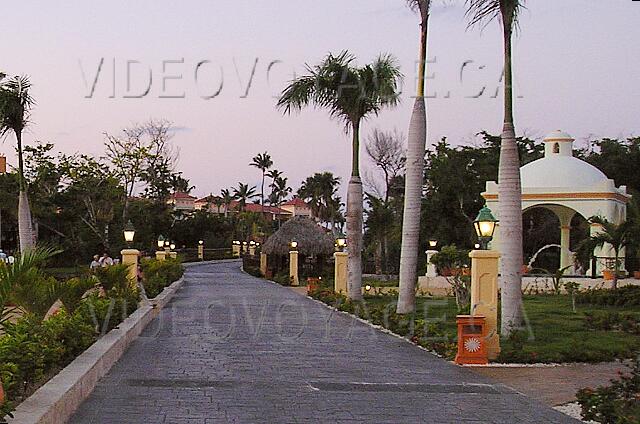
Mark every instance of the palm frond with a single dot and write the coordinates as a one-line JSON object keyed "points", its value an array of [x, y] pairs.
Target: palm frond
{"points": [[481, 12]]}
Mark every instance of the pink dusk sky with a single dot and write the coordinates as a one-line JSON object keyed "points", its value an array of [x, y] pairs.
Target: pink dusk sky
{"points": [[577, 68]]}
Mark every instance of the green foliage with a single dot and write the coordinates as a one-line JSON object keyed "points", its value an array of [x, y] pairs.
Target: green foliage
{"points": [[613, 320], [614, 404], [379, 310], [623, 296], [71, 291], [159, 274]]}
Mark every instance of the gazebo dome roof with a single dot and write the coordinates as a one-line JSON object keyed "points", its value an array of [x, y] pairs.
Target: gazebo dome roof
{"points": [[562, 172], [559, 169]]}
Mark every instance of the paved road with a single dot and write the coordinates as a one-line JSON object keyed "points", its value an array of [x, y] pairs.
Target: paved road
{"points": [[231, 348]]}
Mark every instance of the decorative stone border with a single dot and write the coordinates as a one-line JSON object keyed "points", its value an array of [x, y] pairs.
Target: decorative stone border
{"points": [[57, 400]]}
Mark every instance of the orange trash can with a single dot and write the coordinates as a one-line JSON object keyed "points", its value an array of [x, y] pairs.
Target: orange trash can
{"points": [[472, 337]]}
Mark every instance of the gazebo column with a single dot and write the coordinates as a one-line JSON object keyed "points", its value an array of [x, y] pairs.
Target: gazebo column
{"points": [[566, 258]]}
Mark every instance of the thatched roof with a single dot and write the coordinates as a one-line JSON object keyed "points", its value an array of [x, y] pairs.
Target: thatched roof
{"points": [[312, 239]]}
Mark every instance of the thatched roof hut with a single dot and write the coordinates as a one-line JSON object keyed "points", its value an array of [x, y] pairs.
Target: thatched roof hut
{"points": [[312, 239]]}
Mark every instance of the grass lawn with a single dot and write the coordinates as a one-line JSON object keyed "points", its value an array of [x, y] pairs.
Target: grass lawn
{"points": [[555, 333]]}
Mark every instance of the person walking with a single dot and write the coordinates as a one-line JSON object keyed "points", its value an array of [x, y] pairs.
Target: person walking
{"points": [[95, 263]]}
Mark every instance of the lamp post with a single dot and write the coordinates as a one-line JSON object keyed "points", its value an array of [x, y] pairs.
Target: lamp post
{"points": [[484, 280], [167, 247], [201, 250], [161, 255], [172, 253], [340, 266], [485, 225], [236, 248], [129, 233], [252, 248], [130, 256], [431, 268], [293, 263], [341, 243]]}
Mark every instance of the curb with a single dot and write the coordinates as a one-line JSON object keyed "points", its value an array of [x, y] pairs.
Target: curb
{"points": [[58, 399]]}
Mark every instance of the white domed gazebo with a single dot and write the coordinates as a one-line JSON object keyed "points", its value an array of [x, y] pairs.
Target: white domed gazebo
{"points": [[566, 185]]}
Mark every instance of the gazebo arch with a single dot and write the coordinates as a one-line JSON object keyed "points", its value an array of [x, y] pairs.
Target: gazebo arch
{"points": [[566, 185]]}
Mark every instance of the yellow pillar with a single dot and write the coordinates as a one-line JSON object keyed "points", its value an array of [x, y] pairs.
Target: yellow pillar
{"points": [[173, 255], [130, 258], [236, 250], [263, 264], [161, 255], [252, 250], [484, 294], [293, 268], [340, 276], [201, 252]]}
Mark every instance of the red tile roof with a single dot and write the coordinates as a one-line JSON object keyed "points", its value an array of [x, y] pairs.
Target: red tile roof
{"points": [[181, 195], [297, 202], [208, 199], [253, 207]]}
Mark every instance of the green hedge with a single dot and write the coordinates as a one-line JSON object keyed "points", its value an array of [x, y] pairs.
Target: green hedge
{"points": [[623, 296], [156, 275]]}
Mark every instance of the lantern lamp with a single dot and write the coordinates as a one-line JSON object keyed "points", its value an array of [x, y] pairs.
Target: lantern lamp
{"points": [[485, 225], [160, 241], [129, 232]]}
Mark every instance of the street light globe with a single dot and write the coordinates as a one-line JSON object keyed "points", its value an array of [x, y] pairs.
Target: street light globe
{"points": [[129, 232], [172, 246], [433, 243], [200, 242], [293, 244], [166, 243], [160, 241]]}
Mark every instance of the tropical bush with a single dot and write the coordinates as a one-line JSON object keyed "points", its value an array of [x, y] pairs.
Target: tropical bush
{"points": [[159, 274], [33, 349], [618, 403], [452, 262]]}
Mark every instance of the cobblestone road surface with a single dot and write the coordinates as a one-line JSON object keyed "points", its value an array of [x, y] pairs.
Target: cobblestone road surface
{"points": [[230, 348]]}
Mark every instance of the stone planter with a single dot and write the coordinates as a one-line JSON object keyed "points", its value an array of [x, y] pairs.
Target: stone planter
{"points": [[636, 275]]}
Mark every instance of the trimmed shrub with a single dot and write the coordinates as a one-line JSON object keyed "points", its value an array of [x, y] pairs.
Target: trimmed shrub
{"points": [[159, 274], [623, 296]]}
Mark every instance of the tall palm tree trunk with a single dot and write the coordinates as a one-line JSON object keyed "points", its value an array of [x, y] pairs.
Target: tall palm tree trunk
{"points": [[25, 228], [354, 221], [417, 137], [510, 206]]}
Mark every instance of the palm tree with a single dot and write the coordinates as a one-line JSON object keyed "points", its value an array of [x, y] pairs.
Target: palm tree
{"points": [[279, 191], [263, 162], [616, 236], [509, 188], [227, 198], [351, 94], [15, 106], [274, 174], [319, 190], [242, 194], [416, 140]]}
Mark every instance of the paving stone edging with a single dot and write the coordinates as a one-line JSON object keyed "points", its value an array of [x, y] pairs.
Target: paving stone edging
{"points": [[57, 400]]}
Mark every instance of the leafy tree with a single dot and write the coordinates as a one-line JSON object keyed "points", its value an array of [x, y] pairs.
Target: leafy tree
{"points": [[509, 191], [350, 94], [413, 178], [15, 110]]}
